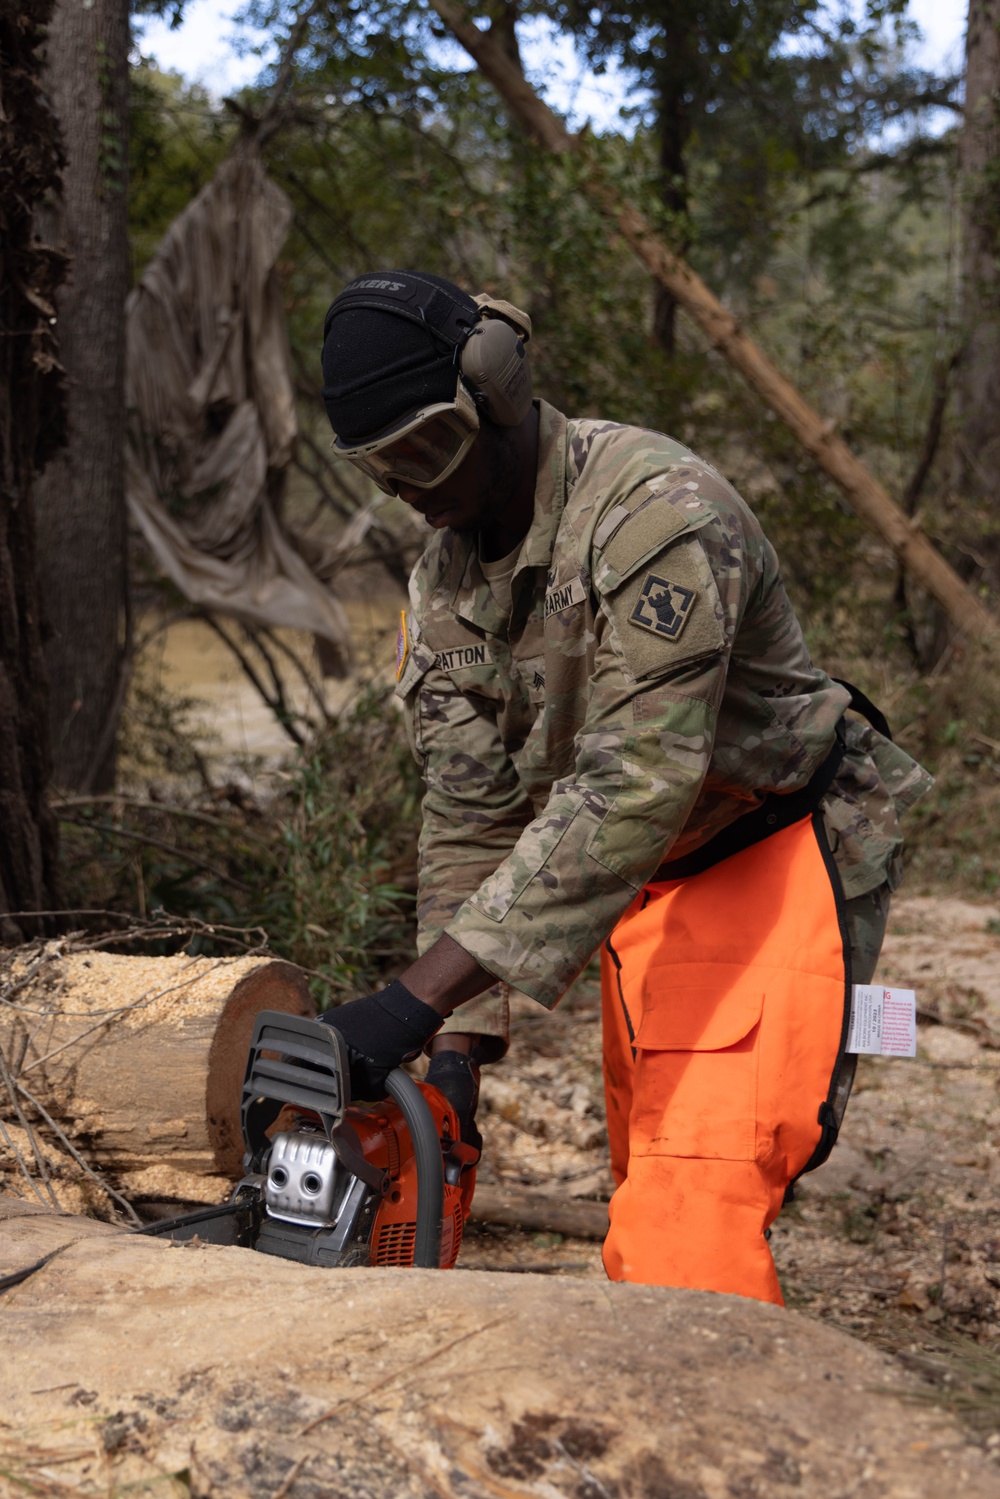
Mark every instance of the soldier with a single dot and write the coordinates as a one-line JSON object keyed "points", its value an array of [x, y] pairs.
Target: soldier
{"points": [[626, 747]]}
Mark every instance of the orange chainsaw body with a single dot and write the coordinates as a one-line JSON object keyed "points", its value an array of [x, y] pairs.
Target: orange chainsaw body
{"points": [[385, 1142]]}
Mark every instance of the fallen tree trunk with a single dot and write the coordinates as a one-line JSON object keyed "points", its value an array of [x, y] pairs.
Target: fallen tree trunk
{"points": [[140, 1060], [866, 496], [129, 1363], [534, 1210]]}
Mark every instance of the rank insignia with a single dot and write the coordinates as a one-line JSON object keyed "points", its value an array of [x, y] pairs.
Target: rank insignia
{"points": [[402, 645], [662, 607]]}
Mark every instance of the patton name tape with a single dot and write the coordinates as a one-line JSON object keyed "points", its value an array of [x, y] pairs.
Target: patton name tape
{"points": [[883, 1022]]}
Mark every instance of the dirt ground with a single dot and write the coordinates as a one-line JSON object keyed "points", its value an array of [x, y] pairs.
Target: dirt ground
{"points": [[897, 1238]]}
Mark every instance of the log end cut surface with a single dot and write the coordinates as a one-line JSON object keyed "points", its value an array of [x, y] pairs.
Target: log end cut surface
{"points": [[274, 986], [141, 1059], [128, 1360]]}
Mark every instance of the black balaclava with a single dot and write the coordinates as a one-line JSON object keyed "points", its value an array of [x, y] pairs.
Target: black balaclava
{"points": [[380, 364]]}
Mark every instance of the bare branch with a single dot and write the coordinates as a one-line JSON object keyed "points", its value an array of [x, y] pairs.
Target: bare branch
{"points": [[276, 705]]}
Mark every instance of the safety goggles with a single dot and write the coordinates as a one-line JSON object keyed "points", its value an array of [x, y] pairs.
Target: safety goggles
{"points": [[422, 449]]}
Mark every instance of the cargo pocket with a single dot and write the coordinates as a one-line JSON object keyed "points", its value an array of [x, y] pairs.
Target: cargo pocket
{"points": [[696, 1066]]}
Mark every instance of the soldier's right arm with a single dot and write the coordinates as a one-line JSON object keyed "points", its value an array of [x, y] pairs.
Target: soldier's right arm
{"points": [[474, 811]]}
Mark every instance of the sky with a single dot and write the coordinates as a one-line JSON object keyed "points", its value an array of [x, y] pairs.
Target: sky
{"points": [[204, 50]]}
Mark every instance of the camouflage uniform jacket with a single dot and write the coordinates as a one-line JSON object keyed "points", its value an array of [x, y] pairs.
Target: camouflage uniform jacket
{"points": [[650, 683]]}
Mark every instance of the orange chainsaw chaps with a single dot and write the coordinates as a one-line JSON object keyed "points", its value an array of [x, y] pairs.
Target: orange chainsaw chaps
{"points": [[385, 1141], [724, 1003]]}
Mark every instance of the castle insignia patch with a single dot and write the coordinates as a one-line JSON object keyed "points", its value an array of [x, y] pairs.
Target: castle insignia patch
{"points": [[662, 607]]}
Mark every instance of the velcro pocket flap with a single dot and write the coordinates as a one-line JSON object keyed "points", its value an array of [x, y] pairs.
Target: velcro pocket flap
{"points": [[653, 520], [698, 1018]]}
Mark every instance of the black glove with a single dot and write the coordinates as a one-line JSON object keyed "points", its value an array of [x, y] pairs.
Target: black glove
{"points": [[457, 1077], [382, 1030]]}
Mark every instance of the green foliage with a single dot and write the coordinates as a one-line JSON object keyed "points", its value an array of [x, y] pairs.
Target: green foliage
{"points": [[177, 137], [326, 866], [344, 884], [394, 154]]}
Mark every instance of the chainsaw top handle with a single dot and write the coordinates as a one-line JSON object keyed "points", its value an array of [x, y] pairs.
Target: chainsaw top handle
{"points": [[304, 1063]]}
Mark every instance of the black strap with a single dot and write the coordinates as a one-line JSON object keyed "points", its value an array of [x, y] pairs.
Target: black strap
{"points": [[864, 705]]}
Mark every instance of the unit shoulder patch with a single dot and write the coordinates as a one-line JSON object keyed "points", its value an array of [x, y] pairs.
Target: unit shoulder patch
{"points": [[402, 645], [662, 607]]}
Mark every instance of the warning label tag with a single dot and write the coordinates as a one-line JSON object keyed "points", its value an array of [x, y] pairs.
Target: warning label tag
{"points": [[883, 1022]]}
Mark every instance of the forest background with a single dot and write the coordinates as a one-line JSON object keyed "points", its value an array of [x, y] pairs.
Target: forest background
{"points": [[817, 178]]}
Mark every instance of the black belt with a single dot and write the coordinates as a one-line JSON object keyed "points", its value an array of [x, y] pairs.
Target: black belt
{"points": [[778, 809]]}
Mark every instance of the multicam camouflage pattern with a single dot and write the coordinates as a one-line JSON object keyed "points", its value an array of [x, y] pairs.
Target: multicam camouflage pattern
{"points": [[865, 917], [650, 684]]}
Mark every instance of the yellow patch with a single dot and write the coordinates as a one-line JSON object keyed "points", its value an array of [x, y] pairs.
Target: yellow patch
{"points": [[402, 645]]}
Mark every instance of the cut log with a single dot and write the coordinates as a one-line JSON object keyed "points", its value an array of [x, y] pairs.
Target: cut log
{"points": [[547, 1215], [131, 1365], [140, 1060]]}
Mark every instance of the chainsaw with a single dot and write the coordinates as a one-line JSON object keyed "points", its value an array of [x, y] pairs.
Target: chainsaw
{"points": [[332, 1182]]}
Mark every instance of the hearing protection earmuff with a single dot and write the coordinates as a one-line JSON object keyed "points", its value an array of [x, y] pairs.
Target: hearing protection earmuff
{"points": [[494, 362]]}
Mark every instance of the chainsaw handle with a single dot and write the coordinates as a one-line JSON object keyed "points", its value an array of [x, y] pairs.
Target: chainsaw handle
{"points": [[430, 1167]]}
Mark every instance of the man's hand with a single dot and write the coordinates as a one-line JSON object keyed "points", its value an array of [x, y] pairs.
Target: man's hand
{"points": [[382, 1030], [393, 1026], [457, 1077]]}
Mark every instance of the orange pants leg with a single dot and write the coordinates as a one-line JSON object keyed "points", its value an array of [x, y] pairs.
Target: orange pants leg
{"points": [[678, 1221], [723, 1003]]}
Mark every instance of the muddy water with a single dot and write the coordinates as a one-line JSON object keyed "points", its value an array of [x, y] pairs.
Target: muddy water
{"points": [[190, 660]]}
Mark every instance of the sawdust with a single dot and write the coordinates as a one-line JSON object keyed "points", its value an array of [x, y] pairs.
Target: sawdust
{"points": [[165, 1183], [895, 1239], [63, 1184], [137, 991]]}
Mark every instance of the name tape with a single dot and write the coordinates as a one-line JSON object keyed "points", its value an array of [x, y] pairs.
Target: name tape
{"points": [[883, 1022], [461, 655]]}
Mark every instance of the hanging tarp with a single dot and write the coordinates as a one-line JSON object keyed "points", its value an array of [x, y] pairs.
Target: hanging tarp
{"points": [[212, 420]]}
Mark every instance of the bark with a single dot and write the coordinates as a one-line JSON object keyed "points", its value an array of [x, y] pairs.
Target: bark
{"points": [[540, 1211], [673, 129], [131, 1365], [979, 385], [141, 1060], [867, 497], [81, 498], [31, 423]]}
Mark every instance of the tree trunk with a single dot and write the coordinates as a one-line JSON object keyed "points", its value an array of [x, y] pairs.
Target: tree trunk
{"points": [[81, 499], [32, 411], [979, 390], [673, 129], [140, 1061]]}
